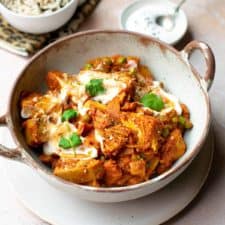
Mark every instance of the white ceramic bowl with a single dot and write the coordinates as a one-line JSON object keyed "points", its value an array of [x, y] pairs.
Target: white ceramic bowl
{"points": [[150, 9], [42, 23], [167, 65]]}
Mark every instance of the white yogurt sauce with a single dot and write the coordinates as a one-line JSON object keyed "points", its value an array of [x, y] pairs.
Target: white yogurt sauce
{"points": [[112, 89], [99, 139], [65, 129], [55, 133], [76, 89], [156, 88], [112, 86]]}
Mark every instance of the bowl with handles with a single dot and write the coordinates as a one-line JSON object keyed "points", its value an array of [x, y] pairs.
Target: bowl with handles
{"points": [[168, 65]]}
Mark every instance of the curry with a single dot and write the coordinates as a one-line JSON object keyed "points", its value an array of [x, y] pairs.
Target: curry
{"points": [[109, 125]]}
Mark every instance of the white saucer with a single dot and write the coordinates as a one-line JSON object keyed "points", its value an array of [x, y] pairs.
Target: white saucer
{"points": [[59, 208], [140, 16]]}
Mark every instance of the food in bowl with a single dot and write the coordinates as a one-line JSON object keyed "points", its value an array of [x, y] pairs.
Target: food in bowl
{"points": [[110, 125], [34, 7], [42, 18]]}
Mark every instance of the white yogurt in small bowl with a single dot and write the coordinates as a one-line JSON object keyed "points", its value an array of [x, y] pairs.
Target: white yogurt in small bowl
{"points": [[141, 17]]}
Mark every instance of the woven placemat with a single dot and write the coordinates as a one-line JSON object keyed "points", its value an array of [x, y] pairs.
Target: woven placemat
{"points": [[27, 44]]}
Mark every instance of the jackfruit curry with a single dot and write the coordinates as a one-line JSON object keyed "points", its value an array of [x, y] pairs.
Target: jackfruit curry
{"points": [[109, 125]]}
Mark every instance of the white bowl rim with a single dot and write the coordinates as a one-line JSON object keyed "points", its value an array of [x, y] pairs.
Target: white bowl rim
{"points": [[42, 15], [28, 159]]}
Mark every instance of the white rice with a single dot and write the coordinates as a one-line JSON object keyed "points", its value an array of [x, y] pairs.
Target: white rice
{"points": [[34, 7]]}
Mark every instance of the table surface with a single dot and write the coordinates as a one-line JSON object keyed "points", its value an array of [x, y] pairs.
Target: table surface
{"points": [[206, 23]]}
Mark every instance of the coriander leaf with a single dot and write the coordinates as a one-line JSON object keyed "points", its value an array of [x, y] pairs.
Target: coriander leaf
{"points": [[69, 114], [75, 140], [152, 101], [64, 143], [95, 87]]}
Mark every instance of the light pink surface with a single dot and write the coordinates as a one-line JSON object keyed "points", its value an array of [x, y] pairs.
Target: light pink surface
{"points": [[207, 23]]}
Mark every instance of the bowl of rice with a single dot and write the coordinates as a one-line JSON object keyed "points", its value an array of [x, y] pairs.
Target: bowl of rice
{"points": [[37, 16]]}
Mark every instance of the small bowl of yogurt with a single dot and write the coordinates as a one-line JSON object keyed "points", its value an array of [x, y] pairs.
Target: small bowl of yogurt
{"points": [[141, 16], [37, 16]]}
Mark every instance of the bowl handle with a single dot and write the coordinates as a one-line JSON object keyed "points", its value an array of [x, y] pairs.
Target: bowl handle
{"points": [[208, 55], [9, 153]]}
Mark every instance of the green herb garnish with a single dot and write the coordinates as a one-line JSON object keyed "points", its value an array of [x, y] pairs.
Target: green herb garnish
{"points": [[69, 114], [64, 143], [95, 87], [73, 141], [152, 101]]}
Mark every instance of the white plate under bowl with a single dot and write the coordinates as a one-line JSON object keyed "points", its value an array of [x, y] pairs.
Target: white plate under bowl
{"points": [[140, 16], [59, 208]]}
